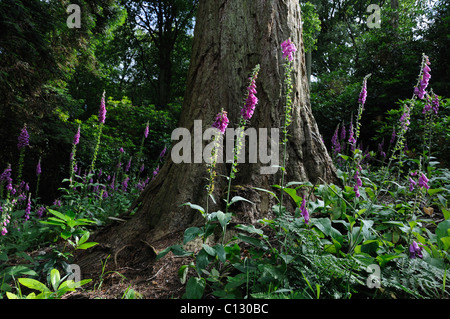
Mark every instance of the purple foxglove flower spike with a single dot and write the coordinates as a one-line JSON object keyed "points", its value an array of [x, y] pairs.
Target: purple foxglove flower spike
{"points": [[288, 49], [24, 138], [304, 211], [415, 249], [38, 168], [102, 110], [423, 181], [221, 122], [146, 131]]}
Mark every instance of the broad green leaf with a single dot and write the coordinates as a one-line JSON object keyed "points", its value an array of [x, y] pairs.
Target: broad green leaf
{"points": [[446, 213], [442, 230], [223, 218], [87, 245], [286, 258], [33, 284], [433, 191], [177, 250], [55, 278], [11, 296], [236, 281], [191, 233], [324, 225], [211, 251], [83, 238], [238, 199], [293, 193], [250, 229], [195, 288], [194, 206], [254, 241], [202, 261], [59, 215], [220, 250], [265, 190], [314, 205], [70, 285], [446, 241], [19, 270], [384, 259]]}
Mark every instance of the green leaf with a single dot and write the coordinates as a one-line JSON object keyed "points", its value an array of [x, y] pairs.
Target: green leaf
{"points": [[191, 233], [383, 259], [55, 278], [433, 191], [202, 260], [442, 230], [194, 206], [220, 250], [446, 213], [265, 190], [250, 229], [306, 184], [195, 288], [293, 193], [254, 241], [211, 251], [70, 285], [324, 225], [182, 273], [287, 258], [446, 241], [238, 199], [83, 238], [11, 296], [223, 218], [177, 250], [19, 270], [59, 215], [33, 284], [87, 245]]}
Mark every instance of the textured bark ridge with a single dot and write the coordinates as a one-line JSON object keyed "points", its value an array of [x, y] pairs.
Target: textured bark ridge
{"points": [[231, 37]]}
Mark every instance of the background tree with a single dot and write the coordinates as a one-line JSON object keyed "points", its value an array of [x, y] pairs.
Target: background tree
{"points": [[347, 50], [38, 55], [158, 28]]}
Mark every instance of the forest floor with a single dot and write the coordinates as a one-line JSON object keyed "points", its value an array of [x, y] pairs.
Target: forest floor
{"points": [[150, 278]]}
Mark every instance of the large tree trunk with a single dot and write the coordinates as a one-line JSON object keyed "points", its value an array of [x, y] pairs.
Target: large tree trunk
{"points": [[231, 37]]}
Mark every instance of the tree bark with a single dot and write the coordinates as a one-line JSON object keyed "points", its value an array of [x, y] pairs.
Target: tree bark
{"points": [[231, 37]]}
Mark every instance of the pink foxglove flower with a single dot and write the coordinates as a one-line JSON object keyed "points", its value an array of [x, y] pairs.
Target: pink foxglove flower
{"points": [[435, 104], [38, 168], [425, 76], [221, 122], [250, 103], [76, 138], [415, 249], [304, 211], [24, 138], [288, 49], [102, 110], [412, 183], [363, 94], [423, 181], [146, 131]]}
